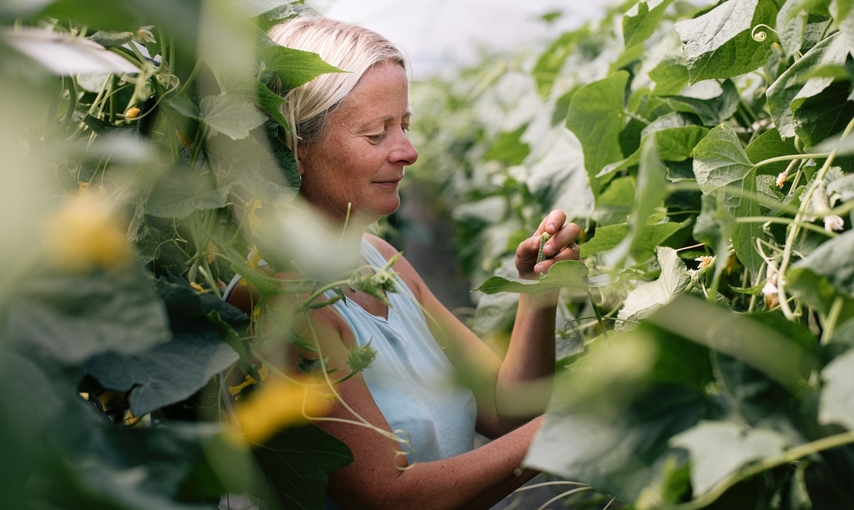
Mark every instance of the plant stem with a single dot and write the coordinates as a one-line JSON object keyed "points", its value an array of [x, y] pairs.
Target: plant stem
{"points": [[799, 219], [598, 314], [791, 455]]}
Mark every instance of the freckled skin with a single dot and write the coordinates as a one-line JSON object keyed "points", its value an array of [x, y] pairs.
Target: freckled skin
{"points": [[361, 155]]}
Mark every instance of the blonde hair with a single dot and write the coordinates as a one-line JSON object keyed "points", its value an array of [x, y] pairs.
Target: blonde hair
{"points": [[349, 47]]}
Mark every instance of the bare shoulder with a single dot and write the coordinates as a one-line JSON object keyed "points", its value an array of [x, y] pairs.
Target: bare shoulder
{"points": [[401, 267]]}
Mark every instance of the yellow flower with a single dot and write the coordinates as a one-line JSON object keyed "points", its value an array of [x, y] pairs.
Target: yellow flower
{"points": [[210, 252], [132, 113], [249, 381], [254, 258], [254, 220], [85, 234], [197, 286], [276, 406]]}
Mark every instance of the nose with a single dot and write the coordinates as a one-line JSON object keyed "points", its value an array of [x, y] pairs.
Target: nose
{"points": [[405, 153]]}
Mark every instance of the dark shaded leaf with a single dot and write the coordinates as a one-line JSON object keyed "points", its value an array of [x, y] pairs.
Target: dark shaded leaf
{"points": [[297, 463], [72, 317]]}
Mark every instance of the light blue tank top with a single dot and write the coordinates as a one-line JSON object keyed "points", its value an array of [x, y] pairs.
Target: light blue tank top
{"points": [[411, 378]]}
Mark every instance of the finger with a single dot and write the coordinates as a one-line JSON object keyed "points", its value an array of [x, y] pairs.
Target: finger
{"points": [[552, 222], [567, 235]]}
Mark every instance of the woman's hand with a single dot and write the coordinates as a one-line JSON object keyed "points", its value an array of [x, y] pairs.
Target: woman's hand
{"points": [[561, 246]]}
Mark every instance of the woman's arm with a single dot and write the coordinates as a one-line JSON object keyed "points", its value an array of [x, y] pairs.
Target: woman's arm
{"points": [[512, 391], [376, 478]]}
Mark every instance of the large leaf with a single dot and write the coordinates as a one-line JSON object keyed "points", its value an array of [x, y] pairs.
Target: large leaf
{"points": [[72, 317], [297, 463], [596, 116], [744, 235], [66, 55], [647, 239], [718, 449], [670, 76], [719, 161], [770, 145], [569, 274], [826, 113], [641, 20], [183, 190], [784, 359], [231, 115], [711, 102], [613, 413], [295, 67], [173, 371], [826, 273], [792, 88], [792, 21], [837, 399], [650, 296], [548, 66], [719, 44]]}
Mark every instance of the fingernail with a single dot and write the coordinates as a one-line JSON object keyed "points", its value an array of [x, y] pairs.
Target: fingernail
{"points": [[549, 250]]}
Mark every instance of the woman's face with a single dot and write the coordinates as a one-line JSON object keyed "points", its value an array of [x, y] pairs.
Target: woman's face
{"points": [[359, 158]]}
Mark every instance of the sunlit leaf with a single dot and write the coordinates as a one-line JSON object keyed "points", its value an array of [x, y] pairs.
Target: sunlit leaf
{"points": [[719, 44], [647, 239], [719, 448], [720, 160], [641, 20], [66, 55], [650, 296], [570, 274], [295, 67], [596, 117]]}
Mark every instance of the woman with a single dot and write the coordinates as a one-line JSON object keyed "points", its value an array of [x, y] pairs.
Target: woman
{"points": [[351, 147]]}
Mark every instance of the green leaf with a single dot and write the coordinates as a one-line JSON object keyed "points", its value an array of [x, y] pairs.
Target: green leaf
{"points": [[744, 235], [720, 160], [614, 411], [647, 239], [718, 449], [791, 22], [837, 400], [596, 116], [232, 116], [674, 143], [718, 44], [295, 67], [783, 359], [175, 370], [614, 205], [65, 55], [641, 20], [570, 274], [790, 91], [182, 190], [185, 107], [72, 317], [297, 463], [548, 66], [769, 145], [509, 148], [254, 8], [670, 76], [713, 103], [833, 260], [650, 296], [828, 112]]}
